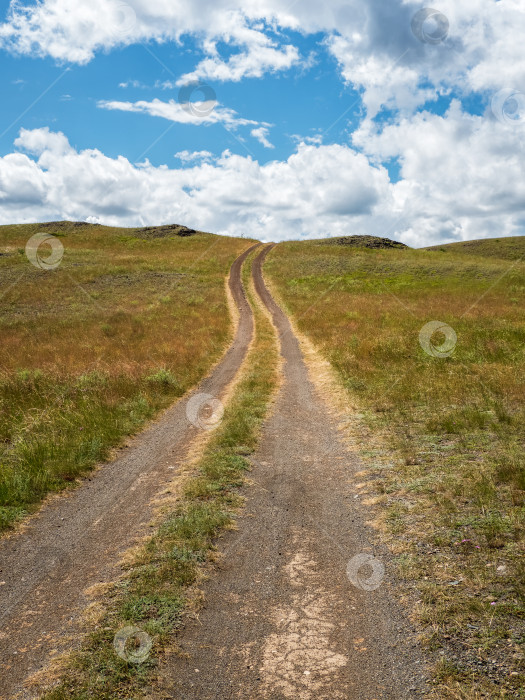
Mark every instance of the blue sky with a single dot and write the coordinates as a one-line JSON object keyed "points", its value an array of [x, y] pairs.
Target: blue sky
{"points": [[299, 102], [351, 117]]}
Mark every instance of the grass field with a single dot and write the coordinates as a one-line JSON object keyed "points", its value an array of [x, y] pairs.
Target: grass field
{"points": [[446, 430], [503, 248], [127, 322]]}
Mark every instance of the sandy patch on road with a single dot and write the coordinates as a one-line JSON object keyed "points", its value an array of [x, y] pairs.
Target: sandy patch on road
{"points": [[299, 657]]}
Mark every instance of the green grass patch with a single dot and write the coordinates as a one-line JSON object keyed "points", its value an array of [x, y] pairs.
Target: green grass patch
{"points": [[508, 248]]}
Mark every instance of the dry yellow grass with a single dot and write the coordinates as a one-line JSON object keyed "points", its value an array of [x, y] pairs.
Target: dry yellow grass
{"points": [[93, 348]]}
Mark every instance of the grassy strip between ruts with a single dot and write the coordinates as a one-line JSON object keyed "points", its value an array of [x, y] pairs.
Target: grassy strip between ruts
{"points": [[159, 585]]}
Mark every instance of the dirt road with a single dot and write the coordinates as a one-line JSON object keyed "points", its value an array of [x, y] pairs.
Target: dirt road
{"points": [[302, 607], [296, 611], [76, 540]]}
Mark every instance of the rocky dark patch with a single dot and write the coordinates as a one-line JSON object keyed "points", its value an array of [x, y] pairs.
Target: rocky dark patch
{"points": [[164, 231], [63, 225], [366, 242]]}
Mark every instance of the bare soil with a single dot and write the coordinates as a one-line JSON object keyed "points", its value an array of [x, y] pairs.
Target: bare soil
{"points": [[288, 616]]}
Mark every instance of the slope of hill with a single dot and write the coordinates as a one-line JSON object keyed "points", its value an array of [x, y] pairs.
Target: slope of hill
{"points": [[100, 328], [508, 248], [60, 227]]}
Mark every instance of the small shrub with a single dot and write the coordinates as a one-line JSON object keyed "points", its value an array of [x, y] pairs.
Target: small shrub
{"points": [[162, 376]]}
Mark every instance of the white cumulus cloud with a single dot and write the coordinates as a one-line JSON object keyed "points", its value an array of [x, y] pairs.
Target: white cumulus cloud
{"points": [[372, 41], [461, 177], [233, 195], [205, 112], [261, 134], [191, 156]]}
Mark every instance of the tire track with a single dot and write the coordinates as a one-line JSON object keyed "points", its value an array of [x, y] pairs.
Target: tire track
{"points": [[286, 617], [76, 540]]}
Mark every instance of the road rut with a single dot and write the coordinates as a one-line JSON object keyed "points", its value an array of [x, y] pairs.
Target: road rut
{"points": [[293, 613], [77, 540]]}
